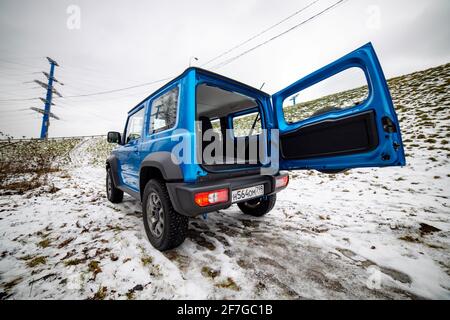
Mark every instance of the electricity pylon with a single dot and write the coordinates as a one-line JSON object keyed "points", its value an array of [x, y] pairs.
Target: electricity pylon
{"points": [[46, 112]]}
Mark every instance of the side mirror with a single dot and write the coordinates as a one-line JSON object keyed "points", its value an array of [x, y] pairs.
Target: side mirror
{"points": [[114, 137]]}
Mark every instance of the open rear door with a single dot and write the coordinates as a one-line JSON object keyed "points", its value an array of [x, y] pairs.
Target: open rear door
{"points": [[346, 129]]}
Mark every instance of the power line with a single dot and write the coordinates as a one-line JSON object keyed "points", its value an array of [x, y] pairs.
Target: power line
{"points": [[7, 75], [120, 89], [66, 106], [81, 85], [260, 33], [215, 58], [234, 58], [18, 63], [25, 99], [113, 96], [85, 114], [222, 64], [13, 92], [22, 115], [15, 110], [16, 68], [97, 72]]}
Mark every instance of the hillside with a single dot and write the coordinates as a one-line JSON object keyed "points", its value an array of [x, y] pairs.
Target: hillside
{"points": [[370, 234]]}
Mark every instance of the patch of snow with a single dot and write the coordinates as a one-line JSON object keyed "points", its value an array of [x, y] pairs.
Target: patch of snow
{"points": [[348, 236]]}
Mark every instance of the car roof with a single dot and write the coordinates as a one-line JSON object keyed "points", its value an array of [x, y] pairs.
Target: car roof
{"points": [[200, 71]]}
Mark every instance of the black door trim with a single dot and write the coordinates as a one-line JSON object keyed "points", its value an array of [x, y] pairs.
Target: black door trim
{"points": [[332, 137]]}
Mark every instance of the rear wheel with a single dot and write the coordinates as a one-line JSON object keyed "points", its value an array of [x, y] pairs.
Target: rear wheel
{"points": [[165, 228], [258, 207], [114, 195]]}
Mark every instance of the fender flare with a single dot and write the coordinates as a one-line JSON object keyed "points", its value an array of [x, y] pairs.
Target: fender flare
{"points": [[162, 160], [113, 163]]}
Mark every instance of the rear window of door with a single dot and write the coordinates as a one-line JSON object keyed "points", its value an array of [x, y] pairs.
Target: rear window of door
{"points": [[164, 111]]}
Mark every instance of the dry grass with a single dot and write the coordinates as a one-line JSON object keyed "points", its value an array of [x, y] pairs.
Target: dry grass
{"points": [[25, 166]]}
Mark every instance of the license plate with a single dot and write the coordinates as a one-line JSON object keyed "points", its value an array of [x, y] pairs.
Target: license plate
{"points": [[247, 193]]}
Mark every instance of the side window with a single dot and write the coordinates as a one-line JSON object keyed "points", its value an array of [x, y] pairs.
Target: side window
{"points": [[134, 126], [247, 125], [216, 126], [344, 90], [164, 111]]}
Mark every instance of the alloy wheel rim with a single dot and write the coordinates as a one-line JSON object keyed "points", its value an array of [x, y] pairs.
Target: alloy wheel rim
{"points": [[155, 215]]}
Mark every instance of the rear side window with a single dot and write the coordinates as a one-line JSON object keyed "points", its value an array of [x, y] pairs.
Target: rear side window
{"points": [[344, 90], [134, 126], [216, 126], [247, 125], [164, 111]]}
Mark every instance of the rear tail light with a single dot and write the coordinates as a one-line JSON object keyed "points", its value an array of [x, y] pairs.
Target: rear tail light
{"points": [[209, 198], [281, 182]]}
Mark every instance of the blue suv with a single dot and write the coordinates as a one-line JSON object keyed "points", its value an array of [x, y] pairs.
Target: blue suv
{"points": [[203, 142]]}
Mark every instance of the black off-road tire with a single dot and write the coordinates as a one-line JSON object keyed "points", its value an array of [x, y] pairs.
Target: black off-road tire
{"points": [[112, 193], [175, 226], [258, 207]]}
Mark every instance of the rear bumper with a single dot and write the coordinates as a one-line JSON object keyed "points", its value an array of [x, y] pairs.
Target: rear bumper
{"points": [[182, 194]]}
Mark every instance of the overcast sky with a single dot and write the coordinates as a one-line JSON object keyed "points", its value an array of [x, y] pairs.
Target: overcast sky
{"points": [[125, 43]]}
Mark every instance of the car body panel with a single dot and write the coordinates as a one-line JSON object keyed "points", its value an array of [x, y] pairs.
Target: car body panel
{"points": [[130, 159], [388, 152]]}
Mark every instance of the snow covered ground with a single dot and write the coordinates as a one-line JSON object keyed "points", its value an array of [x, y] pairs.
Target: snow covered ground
{"points": [[370, 234]]}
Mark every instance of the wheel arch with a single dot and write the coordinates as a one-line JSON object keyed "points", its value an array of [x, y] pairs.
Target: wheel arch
{"points": [[158, 165], [113, 164]]}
